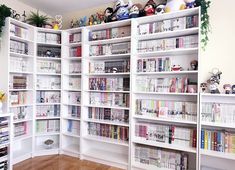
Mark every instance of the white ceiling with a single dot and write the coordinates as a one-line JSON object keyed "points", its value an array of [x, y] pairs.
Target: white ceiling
{"points": [[53, 7]]}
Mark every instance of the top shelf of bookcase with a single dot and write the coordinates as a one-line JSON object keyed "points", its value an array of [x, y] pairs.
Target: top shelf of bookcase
{"points": [[19, 23], [48, 30], [217, 95], [181, 13]]}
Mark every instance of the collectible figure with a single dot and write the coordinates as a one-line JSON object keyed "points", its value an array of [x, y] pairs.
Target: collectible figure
{"points": [[189, 3], [82, 22], [108, 13], [135, 11], [203, 87], [160, 9], [24, 17], [214, 81], [194, 65], [72, 24], [233, 89], [121, 11], [227, 88], [100, 17], [174, 5], [149, 8]]}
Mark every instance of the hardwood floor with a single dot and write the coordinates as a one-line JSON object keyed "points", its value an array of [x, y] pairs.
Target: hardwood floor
{"points": [[60, 162]]}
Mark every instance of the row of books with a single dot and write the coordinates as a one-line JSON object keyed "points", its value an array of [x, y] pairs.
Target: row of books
{"points": [[3, 151], [109, 49], [73, 127], [176, 135], [110, 99], [21, 113], [218, 113], [44, 126], [110, 33], [174, 24], [74, 83], [154, 64], [48, 66], [75, 37], [75, 67], [112, 84], [48, 97], [161, 158], [50, 38], [75, 51], [168, 85], [168, 44], [20, 129], [74, 97], [19, 31], [177, 110], [18, 82], [48, 111], [44, 51], [221, 141], [120, 66], [74, 111], [46, 82], [4, 165], [108, 131], [115, 115], [4, 130], [18, 47], [18, 97], [18, 64]]}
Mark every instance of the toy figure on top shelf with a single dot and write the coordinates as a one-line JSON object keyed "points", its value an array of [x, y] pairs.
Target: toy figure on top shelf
{"points": [[81, 22], [214, 80], [227, 88], [174, 5], [203, 87], [194, 65], [121, 11], [160, 9], [233, 89], [100, 17], [149, 8], [190, 3], [108, 15], [135, 11]]}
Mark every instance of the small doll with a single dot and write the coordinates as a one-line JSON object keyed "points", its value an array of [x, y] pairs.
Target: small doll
{"points": [[135, 11], [121, 11], [194, 65], [149, 8], [160, 9], [108, 14], [233, 89], [227, 88], [189, 3], [203, 87]]}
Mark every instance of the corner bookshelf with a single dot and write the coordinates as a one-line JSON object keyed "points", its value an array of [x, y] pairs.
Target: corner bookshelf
{"points": [[48, 91], [18, 81], [165, 103], [71, 91], [106, 93], [217, 131]]}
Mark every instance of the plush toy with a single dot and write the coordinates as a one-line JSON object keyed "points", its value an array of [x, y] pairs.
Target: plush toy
{"points": [[160, 9], [174, 5], [149, 8], [100, 17], [108, 14], [121, 10], [82, 22], [227, 88], [135, 11], [190, 3]]}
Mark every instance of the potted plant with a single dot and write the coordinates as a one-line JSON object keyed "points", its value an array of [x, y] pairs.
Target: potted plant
{"points": [[38, 20], [2, 97], [4, 12]]}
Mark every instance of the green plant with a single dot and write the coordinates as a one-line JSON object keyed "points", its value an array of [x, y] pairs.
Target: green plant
{"points": [[205, 21], [4, 12], [38, 20]]}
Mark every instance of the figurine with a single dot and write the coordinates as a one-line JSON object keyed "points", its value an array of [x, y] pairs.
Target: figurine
{"points": [[203, 87], [174, 5], [194, 65], [135, 11], [108, 13], [55, 25], [24, 17], [90, 21], [82, 22], [72, 24], [160, 9], [214, 80], [149, 8], [176, 68], [190, 3], [121, 11], [233, 89], [227, 88], [100, 17], [58, 19]]}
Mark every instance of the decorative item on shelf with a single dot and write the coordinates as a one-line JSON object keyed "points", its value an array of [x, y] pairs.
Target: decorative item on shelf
{"points": [[55, 25], [121, 11], [38, 20], [149, 8], [58, 19], [2, 98], [227, 88], [192, 87], [135, 11], [190, 3], [72, 24], [22, 115], [233, 89], [174, 5], [4, 12], [176, 68], [81, 22], [15, 15], [100, 17], [194, 65], [49, 144], [214, 80], [203, 87], [160, 9], [24, 17], [108, 13]]}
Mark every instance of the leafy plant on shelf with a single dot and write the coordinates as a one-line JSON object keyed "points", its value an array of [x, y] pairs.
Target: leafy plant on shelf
{"points": [[205, 21], [4, 13], [38, 20]]}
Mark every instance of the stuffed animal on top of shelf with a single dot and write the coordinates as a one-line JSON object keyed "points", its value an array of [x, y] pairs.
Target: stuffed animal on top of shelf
{"points": [[82, 22], [160, 9], [190, 3], [100, 17], [108, 14], [121, 10], [149, 8], [174, 5], [214, 80], [134, 11]]}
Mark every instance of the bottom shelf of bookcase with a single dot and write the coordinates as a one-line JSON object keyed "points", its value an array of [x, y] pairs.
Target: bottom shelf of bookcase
{"points": [[73, 148], [141, 166], [107, 157], [41, 150], [19, 156], [222, 155]]}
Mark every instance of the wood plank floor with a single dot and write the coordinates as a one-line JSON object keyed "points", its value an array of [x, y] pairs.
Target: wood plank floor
{"points": [[60, 162]]}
